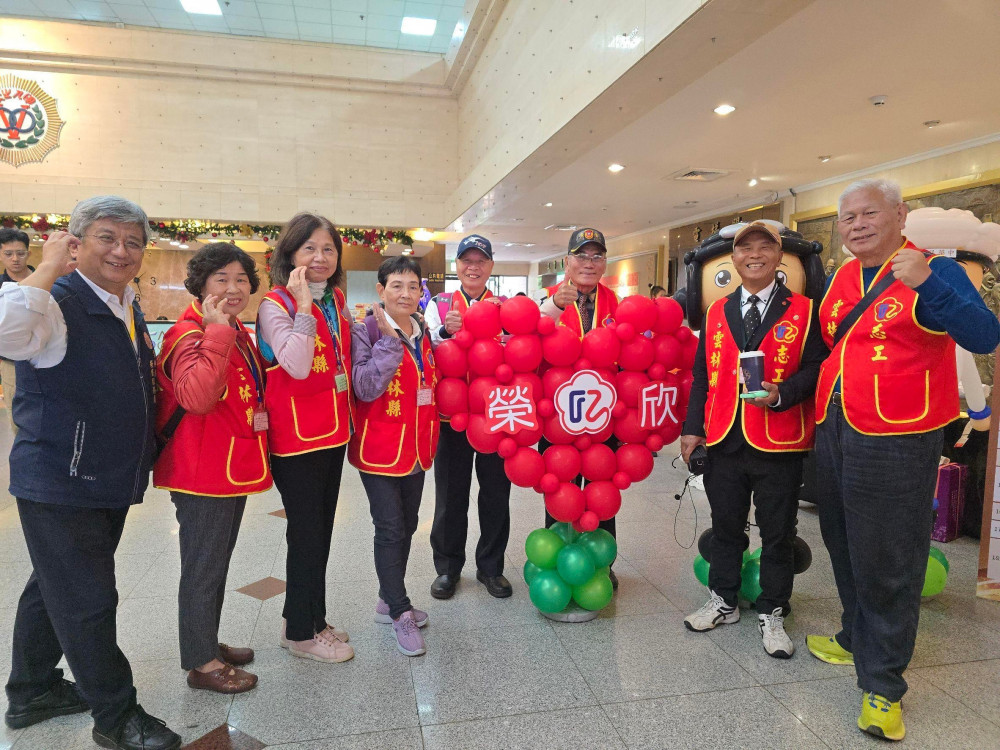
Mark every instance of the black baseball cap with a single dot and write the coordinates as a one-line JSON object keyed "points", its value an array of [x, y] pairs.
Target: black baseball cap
{"points": [[586, 236], [475, 242]]}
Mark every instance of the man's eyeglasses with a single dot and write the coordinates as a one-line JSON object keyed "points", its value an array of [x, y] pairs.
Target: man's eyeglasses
{"points": [[14, 253], [846, 221], [586, 258], [110, 242]]}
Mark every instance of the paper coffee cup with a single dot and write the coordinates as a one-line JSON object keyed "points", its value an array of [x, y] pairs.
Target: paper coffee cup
{"points": [[752, 372]]}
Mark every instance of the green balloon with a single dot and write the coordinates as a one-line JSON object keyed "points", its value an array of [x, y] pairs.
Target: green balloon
{"points": [[530, 571], [935, 578], [601, 545], [750, 587], [542, 548], [549, 592], [604, 570], [755, 555], [565, 531], [701, 570], [595, 594], [939, 556], [575, 565]]}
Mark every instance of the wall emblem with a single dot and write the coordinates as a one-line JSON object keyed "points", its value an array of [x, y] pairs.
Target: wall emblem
{"points": [[29, 121]]}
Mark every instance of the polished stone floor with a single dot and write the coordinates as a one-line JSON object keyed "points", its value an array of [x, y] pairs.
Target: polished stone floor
{"points": [[499, 675]]}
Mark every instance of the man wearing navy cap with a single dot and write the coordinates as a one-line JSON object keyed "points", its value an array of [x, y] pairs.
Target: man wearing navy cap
{"points": [[455, 458]]}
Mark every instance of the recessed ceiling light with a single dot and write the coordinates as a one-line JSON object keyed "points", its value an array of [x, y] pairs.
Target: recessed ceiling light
{"points": [[548, 205], [418, 26], [204, 7], [183, 247], [421, 235], [615, 168], [932, 123], [724, 109], [753, 182], [825, 158]]}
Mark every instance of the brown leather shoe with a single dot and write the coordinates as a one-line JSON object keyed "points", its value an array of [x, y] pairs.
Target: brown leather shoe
{"points": [[226, 680], [235, 656]]}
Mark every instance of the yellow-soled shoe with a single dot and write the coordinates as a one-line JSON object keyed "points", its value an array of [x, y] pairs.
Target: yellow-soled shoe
{"points": [[825, 648], [881, 717]]}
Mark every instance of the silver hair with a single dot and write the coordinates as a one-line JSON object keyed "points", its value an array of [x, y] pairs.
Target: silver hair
{"points": [[111, 207], [890, 190]]}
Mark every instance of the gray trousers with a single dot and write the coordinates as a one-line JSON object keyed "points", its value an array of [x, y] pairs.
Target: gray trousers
{"points": [[209, 527], [875, 496]]}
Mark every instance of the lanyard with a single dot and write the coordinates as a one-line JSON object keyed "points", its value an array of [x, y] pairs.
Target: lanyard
{"points": [[416, 354], [333, 325], [254, 370]]}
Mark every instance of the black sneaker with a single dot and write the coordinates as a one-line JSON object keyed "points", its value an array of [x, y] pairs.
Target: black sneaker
{"points": [[62, 699], [138, 731]]}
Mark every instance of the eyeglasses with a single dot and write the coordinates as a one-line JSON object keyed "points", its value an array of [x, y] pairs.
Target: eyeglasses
{"points": [[110, 242], [585, 258], [15, 253], [846, 221], [473, 261]]}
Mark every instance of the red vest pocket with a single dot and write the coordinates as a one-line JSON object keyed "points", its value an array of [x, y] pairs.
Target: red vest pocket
{"points": [[247, 461], [786, 427], [382, 444], [310, 415], [902, 398]]}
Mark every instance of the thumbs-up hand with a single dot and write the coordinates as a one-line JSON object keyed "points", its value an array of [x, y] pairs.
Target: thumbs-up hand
{"points": [[910, 267]]}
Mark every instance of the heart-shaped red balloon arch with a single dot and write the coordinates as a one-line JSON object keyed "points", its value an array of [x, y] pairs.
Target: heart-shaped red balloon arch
{"points": [[512, 376]]}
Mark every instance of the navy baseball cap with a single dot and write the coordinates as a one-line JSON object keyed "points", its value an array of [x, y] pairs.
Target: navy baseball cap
{"points": [[586, 236], [475, 242]]}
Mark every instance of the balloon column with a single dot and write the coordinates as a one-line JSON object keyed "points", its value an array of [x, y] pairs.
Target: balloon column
{"points": [[629, 379]]}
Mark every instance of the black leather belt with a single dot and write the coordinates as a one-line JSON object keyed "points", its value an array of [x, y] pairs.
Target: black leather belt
{"points": [[837, 399]]}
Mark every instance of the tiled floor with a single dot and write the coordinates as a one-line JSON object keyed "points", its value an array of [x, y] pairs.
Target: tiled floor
{"points": [[499, 675]]}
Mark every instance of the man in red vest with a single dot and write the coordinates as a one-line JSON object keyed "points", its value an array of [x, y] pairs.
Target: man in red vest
{"points": [[455, 458], [892, 316], [755, 446]]}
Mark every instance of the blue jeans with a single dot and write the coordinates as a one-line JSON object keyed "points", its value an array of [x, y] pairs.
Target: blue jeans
{"points": [[875, 496]]}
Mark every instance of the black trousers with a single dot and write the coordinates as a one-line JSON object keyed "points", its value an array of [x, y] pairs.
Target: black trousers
{"points": [[309, 485], [772, 481], [614, 444], [453, 483], [69, 607]]}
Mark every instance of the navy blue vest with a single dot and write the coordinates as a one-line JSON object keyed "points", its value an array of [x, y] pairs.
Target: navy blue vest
{"points": [[85, 426]]}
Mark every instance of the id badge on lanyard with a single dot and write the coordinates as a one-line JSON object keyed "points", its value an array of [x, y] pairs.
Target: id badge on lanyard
{"points": [[260, 420], [333, 325]]}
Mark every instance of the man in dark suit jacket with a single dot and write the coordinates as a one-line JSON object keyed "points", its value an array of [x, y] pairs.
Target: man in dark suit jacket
{"points": [[755, 445]]}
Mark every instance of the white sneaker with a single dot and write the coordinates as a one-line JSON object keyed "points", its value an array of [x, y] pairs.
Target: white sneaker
{"points": [[776, 640], [714, 612]]}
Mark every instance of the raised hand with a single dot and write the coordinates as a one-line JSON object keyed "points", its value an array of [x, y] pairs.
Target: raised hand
{"points": [[453, 322], [565, 295], [298, 287], [384, 325], [910, 267], [211, 312]]}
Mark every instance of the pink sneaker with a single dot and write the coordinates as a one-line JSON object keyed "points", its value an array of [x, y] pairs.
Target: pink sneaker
{"points": [[409, 641], [321, 648], [382, 616], [329, 632]]}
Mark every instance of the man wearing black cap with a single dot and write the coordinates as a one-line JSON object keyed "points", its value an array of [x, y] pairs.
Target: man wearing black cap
{"points": [[455, 458]]}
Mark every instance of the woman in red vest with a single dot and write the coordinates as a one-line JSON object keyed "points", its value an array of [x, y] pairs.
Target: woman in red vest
{"points": [[303, 331], [211, 413], [396, 436]]}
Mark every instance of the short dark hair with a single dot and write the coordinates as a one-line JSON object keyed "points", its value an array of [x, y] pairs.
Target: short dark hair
{"points": [[655, 289], [210, 259], [294, 236], [14, 235], [397, 264]]}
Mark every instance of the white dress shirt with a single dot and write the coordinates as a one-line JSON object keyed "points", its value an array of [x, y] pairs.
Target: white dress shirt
{"points": [[764, 296], [32, 326]]}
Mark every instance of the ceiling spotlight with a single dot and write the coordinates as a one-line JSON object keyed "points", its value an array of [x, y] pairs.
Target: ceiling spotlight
{"points": [[752, 183], [205, 7], [548, 205], [615, 168], [932, 123], [724, 109], [421, 235], [418, 26], [824, 158]]}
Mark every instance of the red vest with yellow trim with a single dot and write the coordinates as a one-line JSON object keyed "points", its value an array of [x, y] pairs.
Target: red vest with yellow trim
{"points": [[604, 309], [216, 454], [456, 301], [896, 377], [310, 415], [393, 433], [764, 428]]}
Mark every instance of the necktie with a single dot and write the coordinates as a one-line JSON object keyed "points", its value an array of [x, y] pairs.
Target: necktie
{"points": [[752, 318], [585, 303]]}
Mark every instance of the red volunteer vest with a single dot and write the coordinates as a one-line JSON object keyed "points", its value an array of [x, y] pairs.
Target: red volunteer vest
{"points": [[394, 433], [456, 301], [310, 415], [216, 454], [604, 309], [764, 428], [896, 377]]}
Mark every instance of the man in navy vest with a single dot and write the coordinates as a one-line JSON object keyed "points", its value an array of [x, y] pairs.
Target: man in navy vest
{"points": [[82, 456]]}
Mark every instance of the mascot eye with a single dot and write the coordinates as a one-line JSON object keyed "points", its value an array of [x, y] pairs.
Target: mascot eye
{"points": [[782, 277], [722, 279]]}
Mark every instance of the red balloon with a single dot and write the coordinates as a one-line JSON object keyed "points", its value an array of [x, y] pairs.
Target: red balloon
{"points": [[563, 461], [636, 355], [625, 332], [546, 325], [478, 389], [519, 315], [669, 315], [654, 442], [670, 432], [486, 355], [598, 463], [621, 480], [524, 352], [639, 311], [690, 351], [555, 377], [608, 373], [528, 437], [561, 347], [604, 435], [628, 385], [627, 428], [480, 438], [504, 373], [463, 338], [588, 521], [656, 371], [554, 433], [601, 347], [603, 498], [582, 364], [460, 422], [684, 334], [635, 460], [582, 442], [507, 447], [619, 410], [525, 468], [668, 351], [451, 359], [549, 483], [546, 408], [482, 321], [566, 503], [452, 396], [529, 378]]}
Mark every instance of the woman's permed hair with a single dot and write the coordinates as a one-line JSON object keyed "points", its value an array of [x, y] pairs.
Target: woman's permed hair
{"points": [[213, 257]]}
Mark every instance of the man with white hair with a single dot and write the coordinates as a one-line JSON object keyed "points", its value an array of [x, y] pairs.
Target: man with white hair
{"points": [[84, 448], [891, 316]]}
